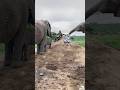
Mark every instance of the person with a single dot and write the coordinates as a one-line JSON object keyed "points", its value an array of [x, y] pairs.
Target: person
{"points": [[67, 39]]}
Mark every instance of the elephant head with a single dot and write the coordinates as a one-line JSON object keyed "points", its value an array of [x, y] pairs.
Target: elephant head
{"points": [[42, 29], [80, 27]]}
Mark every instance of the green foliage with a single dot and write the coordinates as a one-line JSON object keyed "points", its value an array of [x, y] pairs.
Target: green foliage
{"points": [[108, 34], [49, 40], [54, 35], [80, 40], [105, 28], [110, 40]]}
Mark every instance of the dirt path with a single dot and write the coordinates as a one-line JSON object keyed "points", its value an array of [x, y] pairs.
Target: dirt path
{"points": [[61, 68]]}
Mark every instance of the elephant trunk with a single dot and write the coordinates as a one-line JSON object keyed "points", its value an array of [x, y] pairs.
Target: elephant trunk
{"points": [[49, 30]]}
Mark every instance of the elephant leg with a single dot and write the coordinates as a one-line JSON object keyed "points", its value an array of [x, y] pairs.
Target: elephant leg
{"points": [[24, 53], [50, 45], [17, 55], [8, 53], [43, 46], [18, 49], [38, 48]]}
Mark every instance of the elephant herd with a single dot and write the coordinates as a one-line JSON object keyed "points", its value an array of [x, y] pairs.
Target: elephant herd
{"points": [[17, 14]]}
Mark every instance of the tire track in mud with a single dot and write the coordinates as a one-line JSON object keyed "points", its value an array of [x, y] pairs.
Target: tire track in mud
{"points": [[61, 68]]}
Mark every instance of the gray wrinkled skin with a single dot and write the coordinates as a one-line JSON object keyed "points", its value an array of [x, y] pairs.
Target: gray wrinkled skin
{"points": [[14, 17], [80, 27], [42, 30]]}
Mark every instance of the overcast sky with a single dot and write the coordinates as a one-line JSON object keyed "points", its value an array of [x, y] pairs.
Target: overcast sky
{"points": [[63, 15]]}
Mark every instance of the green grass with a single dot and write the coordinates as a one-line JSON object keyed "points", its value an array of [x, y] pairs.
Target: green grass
{"points": [[108, 34], [110, 40], [105, 28], [80, 40]]}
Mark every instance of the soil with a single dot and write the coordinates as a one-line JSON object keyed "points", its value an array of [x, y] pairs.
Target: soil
{"points": [[102, 67], [61, 68]]}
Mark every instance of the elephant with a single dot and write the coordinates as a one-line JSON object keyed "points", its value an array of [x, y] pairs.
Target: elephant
{"points": [[80, 27], [28, 41], [105, 6], [42, 30], [15, 15]]}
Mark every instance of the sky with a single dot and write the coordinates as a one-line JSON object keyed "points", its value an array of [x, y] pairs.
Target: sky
{"points": [[77, 34], [63, 15]]}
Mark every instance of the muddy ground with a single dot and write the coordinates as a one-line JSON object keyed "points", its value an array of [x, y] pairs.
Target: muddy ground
{"points": [[61, 68], [65, 71]]}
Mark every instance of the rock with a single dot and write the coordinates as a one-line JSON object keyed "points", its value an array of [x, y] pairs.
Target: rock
{"points": [[41, 74], [82, 88]]}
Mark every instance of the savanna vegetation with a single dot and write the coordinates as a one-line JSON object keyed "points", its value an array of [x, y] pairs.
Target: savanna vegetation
{"points": [[108, 34], [80, 40]]}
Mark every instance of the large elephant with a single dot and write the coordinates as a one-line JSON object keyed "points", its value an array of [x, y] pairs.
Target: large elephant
{"points": [[105, 6], [42, 30], [28, 43], [14, 17]]}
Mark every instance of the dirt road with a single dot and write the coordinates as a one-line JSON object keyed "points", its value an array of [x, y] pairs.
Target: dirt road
{"points": [[61, 68]]}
